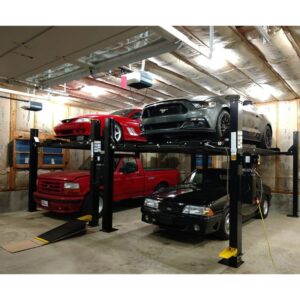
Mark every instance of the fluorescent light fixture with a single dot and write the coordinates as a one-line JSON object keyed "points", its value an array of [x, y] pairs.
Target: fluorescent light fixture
{"points": [[215, 63], [94, 90], [180, 36], [272, 90], [258, 93]]}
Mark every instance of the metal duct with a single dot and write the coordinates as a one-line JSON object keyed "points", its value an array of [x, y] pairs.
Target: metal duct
{"points": [[280, 54], [250, 69]]}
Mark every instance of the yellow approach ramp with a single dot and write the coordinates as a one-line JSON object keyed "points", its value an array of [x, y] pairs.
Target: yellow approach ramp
{"points": [[64, 231]]}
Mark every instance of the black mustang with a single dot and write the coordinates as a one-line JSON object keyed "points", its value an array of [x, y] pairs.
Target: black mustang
{"points": [[190, 118], [200, 204]]}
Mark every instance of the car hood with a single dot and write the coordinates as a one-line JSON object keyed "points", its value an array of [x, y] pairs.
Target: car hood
{"points": [[65, 175], [99, 117], [187, 194]]}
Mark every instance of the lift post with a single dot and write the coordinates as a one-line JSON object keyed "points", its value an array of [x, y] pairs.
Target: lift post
{"points": [[109, 141], [95, 170], [33, 166], [232, 256], [295, 153]]}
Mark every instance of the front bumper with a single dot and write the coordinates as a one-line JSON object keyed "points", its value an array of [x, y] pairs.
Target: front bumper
{"points": [[73, 129], [59, 204], [205, 225]]}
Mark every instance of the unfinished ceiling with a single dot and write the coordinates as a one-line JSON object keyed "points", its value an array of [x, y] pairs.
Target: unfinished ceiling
{"points": [[87, 62]]}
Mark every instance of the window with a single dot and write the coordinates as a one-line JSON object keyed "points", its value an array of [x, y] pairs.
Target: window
{"points": [[129, 165], [136, 115]]}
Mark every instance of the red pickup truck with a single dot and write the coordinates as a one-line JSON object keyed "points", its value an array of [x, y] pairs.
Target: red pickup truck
{"points": [[68, 191]]}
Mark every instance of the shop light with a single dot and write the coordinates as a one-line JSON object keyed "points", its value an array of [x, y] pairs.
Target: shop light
{"points": [[94, 90]]}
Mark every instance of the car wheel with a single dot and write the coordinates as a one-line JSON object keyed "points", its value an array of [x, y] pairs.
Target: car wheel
{"points": [[161, 185], [264, 207], [224, 229], [223, 124], [87, 206], [266, 141], [118, 133]]}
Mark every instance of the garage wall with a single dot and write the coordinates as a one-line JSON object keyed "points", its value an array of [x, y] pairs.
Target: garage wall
{"points": [[284, 117], [16, 122], [4, 139]]}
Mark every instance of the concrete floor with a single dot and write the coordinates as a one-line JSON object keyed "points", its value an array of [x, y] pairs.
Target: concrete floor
{"points": [[141, 248]]}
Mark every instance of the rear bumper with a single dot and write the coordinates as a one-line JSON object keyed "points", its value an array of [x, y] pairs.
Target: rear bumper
{"points": [[60, 204], [206, 225]]}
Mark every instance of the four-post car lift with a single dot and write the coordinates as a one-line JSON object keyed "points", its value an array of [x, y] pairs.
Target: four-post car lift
{"points": [[101, 173]]}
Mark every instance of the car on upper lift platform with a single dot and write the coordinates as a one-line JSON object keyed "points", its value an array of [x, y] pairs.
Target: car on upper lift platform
{"points": [[201, 204], [191, 118], [127, 126]]}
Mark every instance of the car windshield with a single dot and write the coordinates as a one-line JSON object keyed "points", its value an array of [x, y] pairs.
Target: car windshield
{"points": [[194, 178], [122, 112], [198, 178], [87, 164]]}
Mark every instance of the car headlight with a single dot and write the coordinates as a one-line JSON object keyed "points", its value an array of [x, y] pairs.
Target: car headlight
{"points": [[83, 120], [71, 186], [151, 203], [204, 104], [197, 210]]}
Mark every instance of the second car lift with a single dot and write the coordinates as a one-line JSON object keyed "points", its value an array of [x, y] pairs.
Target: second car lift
{"points": [[239, 154]]}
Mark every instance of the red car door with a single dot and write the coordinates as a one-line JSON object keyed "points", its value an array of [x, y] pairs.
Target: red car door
{"points": [[130, 178]]}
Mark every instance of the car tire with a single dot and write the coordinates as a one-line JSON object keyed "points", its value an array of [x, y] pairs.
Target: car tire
{"points": [[223, 232], [266, 141], [87, 207], [118, 134], [223, 124], [265, 207], [160, 186]]}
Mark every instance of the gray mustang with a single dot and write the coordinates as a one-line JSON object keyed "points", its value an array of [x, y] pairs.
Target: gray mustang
{"points": [[187, 118]]}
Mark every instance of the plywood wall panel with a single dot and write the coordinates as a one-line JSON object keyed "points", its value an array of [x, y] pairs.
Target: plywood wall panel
{"points": [[4, 130], [24, 118], [22, 179], [76, 159], [44, 118]]}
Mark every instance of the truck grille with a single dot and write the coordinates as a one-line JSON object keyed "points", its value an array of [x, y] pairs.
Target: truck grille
{"points": [[164, 110], [171, 208], [50, 186]]}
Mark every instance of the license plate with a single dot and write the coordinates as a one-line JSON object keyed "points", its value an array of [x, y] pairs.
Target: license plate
{"points": [[44, 203]]}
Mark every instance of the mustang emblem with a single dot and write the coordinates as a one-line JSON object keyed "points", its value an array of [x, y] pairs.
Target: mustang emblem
{"points": [[163, 110]]}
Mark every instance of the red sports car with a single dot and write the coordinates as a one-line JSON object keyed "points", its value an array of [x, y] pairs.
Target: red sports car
{"points": [[127, 126]]}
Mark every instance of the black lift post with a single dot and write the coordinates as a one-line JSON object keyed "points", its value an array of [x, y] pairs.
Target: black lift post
{"points": [[193, 162], [109, 141], [235, 186], [295, 153], [95, 171], [33, 166]]}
